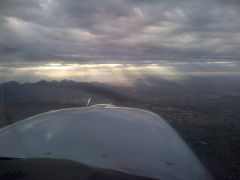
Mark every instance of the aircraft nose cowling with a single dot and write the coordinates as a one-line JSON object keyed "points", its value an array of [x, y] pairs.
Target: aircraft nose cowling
{"points": [[130, 140]]}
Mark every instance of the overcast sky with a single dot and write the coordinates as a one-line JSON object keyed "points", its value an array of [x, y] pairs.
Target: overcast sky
{"points": [[118, 30]]}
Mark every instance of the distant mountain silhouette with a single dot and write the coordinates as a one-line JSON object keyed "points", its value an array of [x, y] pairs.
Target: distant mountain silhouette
{"points": [[61, 91]]}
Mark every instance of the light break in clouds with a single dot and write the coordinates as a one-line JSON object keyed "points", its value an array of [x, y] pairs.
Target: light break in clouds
{"points": [[36, 33]]}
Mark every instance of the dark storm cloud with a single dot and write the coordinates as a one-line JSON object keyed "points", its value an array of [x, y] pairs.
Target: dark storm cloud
{"points": [[94, 30]]}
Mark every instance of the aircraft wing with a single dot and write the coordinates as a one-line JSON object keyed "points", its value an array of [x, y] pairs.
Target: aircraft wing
{"points": [[128, 140]]}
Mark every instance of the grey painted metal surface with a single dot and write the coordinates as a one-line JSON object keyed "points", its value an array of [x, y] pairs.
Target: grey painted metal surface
{"points": [[125, 139]]}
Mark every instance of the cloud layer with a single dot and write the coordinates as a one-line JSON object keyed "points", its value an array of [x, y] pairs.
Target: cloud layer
{"points": [[118, 30]]}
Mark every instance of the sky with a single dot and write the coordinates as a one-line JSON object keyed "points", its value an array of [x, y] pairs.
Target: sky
{"points": [[49, 36]]}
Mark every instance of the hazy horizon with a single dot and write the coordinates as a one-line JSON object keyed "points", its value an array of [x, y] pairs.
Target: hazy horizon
{"points": [[126, 73]]}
